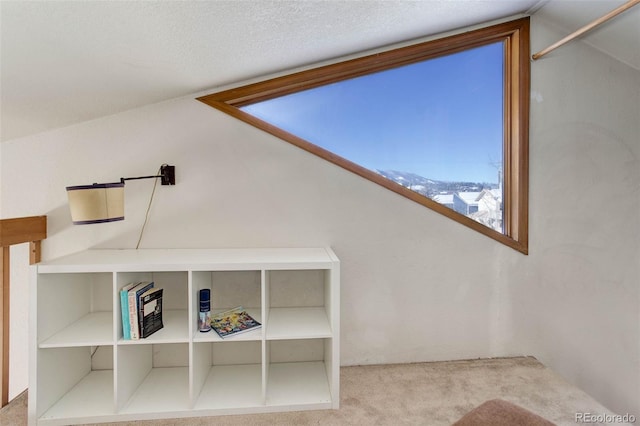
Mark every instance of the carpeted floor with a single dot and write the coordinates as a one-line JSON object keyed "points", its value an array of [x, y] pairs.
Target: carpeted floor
{"points": [[431, 394]]}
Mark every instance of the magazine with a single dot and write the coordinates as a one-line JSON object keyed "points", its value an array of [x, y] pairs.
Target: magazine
{"points": [[232, 322]]}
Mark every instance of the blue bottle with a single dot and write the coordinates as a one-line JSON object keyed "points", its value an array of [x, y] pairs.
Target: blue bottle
{"points": [[204, 317]]}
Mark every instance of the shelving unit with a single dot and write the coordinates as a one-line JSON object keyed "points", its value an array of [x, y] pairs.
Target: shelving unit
{"points": [[83, 371]]}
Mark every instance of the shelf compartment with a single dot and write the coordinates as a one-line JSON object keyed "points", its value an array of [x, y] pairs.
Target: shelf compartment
{"points": [[298, 304], [175, 330], [297, 372], [227, 374], [77, 301], [174, 304], [231, 386], [152, 377], [92, 329], [86, 402], [229, 289], [164, 389], [298, 383], [297, 323], [75, 382]]}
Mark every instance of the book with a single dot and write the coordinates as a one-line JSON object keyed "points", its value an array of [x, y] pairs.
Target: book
{"points": [[233, 322], [124, 308], [134, 298], [150, 312]]}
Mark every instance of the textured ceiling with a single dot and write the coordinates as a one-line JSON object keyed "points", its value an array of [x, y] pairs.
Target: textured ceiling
{"points": [[64, 62]]}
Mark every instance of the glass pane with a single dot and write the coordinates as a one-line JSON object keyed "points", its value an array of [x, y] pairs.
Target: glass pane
{"points": [[435, 127]]}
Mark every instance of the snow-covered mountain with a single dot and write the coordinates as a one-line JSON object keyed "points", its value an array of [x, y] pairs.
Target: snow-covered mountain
{"points": [[431, 187]]}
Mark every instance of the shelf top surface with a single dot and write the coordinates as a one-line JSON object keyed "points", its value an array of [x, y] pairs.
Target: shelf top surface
{"points": [[107, 260]]}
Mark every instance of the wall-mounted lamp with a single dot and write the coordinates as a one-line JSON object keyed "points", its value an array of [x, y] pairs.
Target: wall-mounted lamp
{"points": [[104, 202]]}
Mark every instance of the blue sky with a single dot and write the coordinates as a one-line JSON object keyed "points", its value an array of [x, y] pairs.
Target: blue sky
{"points": [[441, 119]]}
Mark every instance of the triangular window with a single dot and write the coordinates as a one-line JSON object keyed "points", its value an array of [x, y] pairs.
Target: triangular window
{"points": [[444, 123]]}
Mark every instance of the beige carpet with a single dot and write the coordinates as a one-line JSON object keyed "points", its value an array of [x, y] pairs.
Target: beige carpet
{"points": [[433, 394]]}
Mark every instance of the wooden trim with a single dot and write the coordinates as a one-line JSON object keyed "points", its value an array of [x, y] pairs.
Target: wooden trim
{"points": [[35, 252], [30, 230], [328, 74], [22, 230], [516, 37], [5, 291], [521, 131]]}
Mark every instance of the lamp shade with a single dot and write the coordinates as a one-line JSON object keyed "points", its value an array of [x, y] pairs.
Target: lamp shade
{"points": [[97, 203]]}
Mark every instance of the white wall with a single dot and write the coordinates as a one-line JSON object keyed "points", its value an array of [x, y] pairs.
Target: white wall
{"points": [[415, 285], [576, 298]]}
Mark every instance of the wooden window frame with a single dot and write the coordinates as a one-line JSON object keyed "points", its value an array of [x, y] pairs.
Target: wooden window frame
{"points": [[514, 34]]}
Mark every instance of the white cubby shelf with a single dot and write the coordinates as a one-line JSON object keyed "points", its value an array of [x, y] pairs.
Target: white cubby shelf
{"points": [[82, 370]]}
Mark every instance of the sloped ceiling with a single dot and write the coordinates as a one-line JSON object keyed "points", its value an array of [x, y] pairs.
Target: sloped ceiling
{"points": [[65, 62]]}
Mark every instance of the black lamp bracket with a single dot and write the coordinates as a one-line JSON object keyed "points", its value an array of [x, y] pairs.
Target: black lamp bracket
{"points": [[167, 175]]}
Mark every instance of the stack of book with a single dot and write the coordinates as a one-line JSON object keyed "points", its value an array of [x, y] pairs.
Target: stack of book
{"points": [[141, 306]]}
